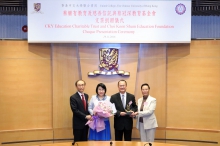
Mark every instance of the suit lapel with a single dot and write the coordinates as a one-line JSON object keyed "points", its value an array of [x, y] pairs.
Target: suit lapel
{"points": [[127, 99], [147, 102], [139, 103], [119, 100]]}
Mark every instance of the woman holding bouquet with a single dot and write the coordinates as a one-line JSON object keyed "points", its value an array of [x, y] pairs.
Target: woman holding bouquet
{"points": [[104, 135]]}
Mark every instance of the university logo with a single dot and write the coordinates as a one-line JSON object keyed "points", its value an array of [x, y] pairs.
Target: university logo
{"points": [[37, 7], [108, 58]]}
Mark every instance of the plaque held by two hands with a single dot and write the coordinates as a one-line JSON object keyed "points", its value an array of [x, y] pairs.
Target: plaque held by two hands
{"points": [[128, 109]]}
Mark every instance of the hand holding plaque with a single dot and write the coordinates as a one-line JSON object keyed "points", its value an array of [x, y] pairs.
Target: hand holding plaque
{"points": [[128, 108]]}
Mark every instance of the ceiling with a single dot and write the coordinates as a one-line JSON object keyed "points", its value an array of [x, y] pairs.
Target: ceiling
{"points": [[199, 7]]}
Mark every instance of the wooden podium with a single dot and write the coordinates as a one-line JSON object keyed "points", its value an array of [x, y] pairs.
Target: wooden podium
{"points": [[110, 143]]}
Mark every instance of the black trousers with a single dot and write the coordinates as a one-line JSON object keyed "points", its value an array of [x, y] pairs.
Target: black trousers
{"points": [[119, 135], [81, 134]]}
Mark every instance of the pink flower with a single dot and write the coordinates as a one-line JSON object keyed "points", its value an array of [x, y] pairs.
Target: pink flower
{"points": [[130, 103], [104, 109]]}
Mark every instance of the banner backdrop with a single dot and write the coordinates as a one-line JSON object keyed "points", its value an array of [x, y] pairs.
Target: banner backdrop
{"points": [[105, 21]]}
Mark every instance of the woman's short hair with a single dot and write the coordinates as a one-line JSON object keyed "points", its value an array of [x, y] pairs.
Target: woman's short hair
{"points": [[103, 87]]}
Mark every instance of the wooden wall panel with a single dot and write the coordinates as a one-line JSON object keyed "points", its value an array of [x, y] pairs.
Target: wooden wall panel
{"points": [[23, 50], [25, 137], [193, 138], [152, 70], [198, 105], [25, 86], [193, 86], [63, 134], [36, 81], [65, 73]]}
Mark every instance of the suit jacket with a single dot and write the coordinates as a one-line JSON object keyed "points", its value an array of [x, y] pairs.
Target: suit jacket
{"points": [[121, 122], [79, 113], [149, 118]]}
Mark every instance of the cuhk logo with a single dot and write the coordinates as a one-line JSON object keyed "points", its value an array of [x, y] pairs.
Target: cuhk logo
{"points": [[37, 7]]}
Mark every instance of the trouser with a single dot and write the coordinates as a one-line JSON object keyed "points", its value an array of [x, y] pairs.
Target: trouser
{"points": [[146, 135], [119, 135]]}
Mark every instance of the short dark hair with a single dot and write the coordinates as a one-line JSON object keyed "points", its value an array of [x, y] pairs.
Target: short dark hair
{"points": [[122, 81], [101, 85], [78, 81], [145, 84]]}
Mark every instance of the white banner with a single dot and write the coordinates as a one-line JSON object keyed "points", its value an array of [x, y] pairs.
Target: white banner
{"points": [[105, 21]]}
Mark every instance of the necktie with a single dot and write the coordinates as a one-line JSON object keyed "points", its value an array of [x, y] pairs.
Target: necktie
{"points": [[141, 109], [123, 100], [84, 101]]}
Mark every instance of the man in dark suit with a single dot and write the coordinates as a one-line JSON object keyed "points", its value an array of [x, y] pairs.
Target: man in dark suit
{"points": [[123, 122], [79, 106]]}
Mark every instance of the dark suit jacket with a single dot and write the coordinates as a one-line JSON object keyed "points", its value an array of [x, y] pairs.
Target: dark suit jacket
{"points": [[79, 113], [121, 122]]}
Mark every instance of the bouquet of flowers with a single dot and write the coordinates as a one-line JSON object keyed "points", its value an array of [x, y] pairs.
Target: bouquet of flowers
{"points": [[103, 109]]}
